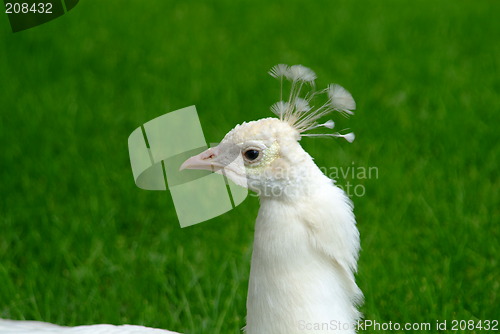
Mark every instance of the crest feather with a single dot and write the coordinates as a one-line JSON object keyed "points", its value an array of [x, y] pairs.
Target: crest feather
{"points": [[278, 71], [279, 108], [300, 73], [341, 99], [299, 113]]}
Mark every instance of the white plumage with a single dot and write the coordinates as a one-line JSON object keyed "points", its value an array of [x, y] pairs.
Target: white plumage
{"points": [[36, 327], [306, 242], [305, 251]]}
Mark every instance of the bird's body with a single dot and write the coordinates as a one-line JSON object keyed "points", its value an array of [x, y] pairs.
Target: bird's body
{"points": [[306, 242], [36, 327]]}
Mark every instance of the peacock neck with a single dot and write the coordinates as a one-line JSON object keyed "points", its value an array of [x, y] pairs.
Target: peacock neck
{"points": [[293, 287]]}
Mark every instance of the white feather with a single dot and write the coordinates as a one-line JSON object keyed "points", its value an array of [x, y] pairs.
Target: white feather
{"points": [[301, 105], [330, 124], [280, 108], [300, 73], [341, 99], [348, 136], [278, 71], [36, 327]]}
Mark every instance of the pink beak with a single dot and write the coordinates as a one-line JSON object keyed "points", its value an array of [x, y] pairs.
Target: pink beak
{"points": [[204, 160]]}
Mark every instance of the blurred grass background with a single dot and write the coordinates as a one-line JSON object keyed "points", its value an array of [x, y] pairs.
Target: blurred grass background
{"points": [[80, 244]]}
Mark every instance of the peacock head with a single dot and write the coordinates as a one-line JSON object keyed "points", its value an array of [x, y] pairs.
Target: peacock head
{"points": [[265, 155]]}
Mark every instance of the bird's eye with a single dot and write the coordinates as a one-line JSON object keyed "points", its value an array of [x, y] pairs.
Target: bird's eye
{"points": [[251, 154]]}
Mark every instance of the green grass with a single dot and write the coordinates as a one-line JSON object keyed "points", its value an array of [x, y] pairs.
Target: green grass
{"points": [[80, 244]]}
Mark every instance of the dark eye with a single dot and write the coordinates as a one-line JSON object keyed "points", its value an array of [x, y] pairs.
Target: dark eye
{"points": [[251, 154]]}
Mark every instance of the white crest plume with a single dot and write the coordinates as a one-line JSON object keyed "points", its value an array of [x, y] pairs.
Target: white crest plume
{"points": [[279, 71], [299, 113], [341, 99], [279, 108]]}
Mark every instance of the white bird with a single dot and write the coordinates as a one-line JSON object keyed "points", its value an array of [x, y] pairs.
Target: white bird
{"points": [[306, 242]]}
